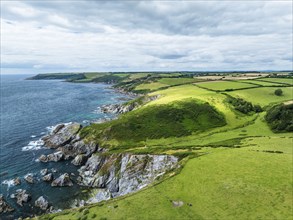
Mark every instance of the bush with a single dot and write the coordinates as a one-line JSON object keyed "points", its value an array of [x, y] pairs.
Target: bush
{"points": [[280, 118], [243, 106], [278, 92]]}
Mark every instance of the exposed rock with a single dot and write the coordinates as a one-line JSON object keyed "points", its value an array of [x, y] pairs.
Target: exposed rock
{"points": [[62, 135], [48, 177], [4, 207], [79, 160], [29, 178], [76, 147], [57, 156], [58, 128], [43, 158], [127, 107], [42, 203], [44, 172], [177, 203], [16, 181], [101, 195], [63, 180], [21, 196], [124, 173]]}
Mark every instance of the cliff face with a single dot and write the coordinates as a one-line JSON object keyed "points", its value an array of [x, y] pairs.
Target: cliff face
{"points": [[120, 174], [113, 174]]}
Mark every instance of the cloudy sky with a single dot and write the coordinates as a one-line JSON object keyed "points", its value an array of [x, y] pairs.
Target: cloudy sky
{"points": [[63, 36]]}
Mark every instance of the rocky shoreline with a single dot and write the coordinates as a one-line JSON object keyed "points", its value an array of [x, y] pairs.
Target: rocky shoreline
{"points": [[111, 175]]}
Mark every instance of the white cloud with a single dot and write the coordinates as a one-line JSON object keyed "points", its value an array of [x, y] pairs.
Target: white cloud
{"points": [[133, 36]]}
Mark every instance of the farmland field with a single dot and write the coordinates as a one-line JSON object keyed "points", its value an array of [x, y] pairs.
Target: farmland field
{"points": [[264, 96], [224, 85], [279, 80]]}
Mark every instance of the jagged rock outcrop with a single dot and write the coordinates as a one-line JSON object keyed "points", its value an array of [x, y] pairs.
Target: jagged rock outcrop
{"points": [[42, 203], [101, 195], [48, 177], [63, 180], [55, 157], [66, 140], [29, 178], [16, 181], [79, 160], [121, 174], [4, 207], [61, 135], [77, 146], [21, 196], [44, 172], [127, 107]]}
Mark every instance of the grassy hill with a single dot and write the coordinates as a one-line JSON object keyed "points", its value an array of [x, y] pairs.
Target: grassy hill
{"points": [[235, 165]]}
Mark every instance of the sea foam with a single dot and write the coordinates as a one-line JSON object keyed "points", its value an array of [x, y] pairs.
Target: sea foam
{"points": [[34, 145]]}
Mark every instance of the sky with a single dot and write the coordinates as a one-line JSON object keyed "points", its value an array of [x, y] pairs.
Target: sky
{"points": [[79, 36]]}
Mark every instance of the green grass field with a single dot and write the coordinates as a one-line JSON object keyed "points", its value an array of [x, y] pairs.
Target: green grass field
{"points": [[279, 80], [224, 85], [245, 170], [260, 83], [264, 96], [242, 183], [177, 81]]}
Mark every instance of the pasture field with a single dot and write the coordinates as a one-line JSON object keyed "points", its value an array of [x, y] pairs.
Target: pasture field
{"points": [[177, 81], [246, 182], [224, 85], [264, 96], [288, 81], [150, 86], [260, 83]]}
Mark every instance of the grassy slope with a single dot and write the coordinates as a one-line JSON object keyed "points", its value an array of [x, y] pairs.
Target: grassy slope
{"points": [[240, 183], [227, 182]]}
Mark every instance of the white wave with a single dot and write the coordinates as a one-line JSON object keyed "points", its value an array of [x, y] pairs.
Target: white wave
{"points": [[34, 145], [33, 136], [9, 183]]}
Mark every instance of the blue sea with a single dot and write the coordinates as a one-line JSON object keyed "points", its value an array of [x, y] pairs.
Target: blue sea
{"points": [[29, 109]]}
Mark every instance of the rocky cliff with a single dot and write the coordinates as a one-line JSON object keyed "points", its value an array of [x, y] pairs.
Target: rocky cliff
{"points": [[120, 174], [113, 174]]}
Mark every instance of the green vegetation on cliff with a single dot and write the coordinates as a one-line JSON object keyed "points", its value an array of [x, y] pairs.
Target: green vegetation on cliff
{"points": [[176, 119]]}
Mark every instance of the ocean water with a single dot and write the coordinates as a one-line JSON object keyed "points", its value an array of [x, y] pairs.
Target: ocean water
{"points": [[29, 108]]}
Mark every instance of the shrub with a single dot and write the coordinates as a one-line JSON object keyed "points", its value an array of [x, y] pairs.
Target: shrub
{"points": [[280, 118], [278, 92]]}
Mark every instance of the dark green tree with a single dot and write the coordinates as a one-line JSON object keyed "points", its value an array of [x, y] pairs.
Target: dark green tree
{"points": [[278, 92]]}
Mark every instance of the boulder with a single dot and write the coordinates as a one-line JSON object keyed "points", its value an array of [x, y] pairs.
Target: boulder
{"points": [[42, 203], [16, 181], [43, 158], [63, 180], [44, 172], [58, 128], [48, 177], [21, 196], [29, 178], [4, 207], [79, 160], [55, 157], [61, 136]]}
